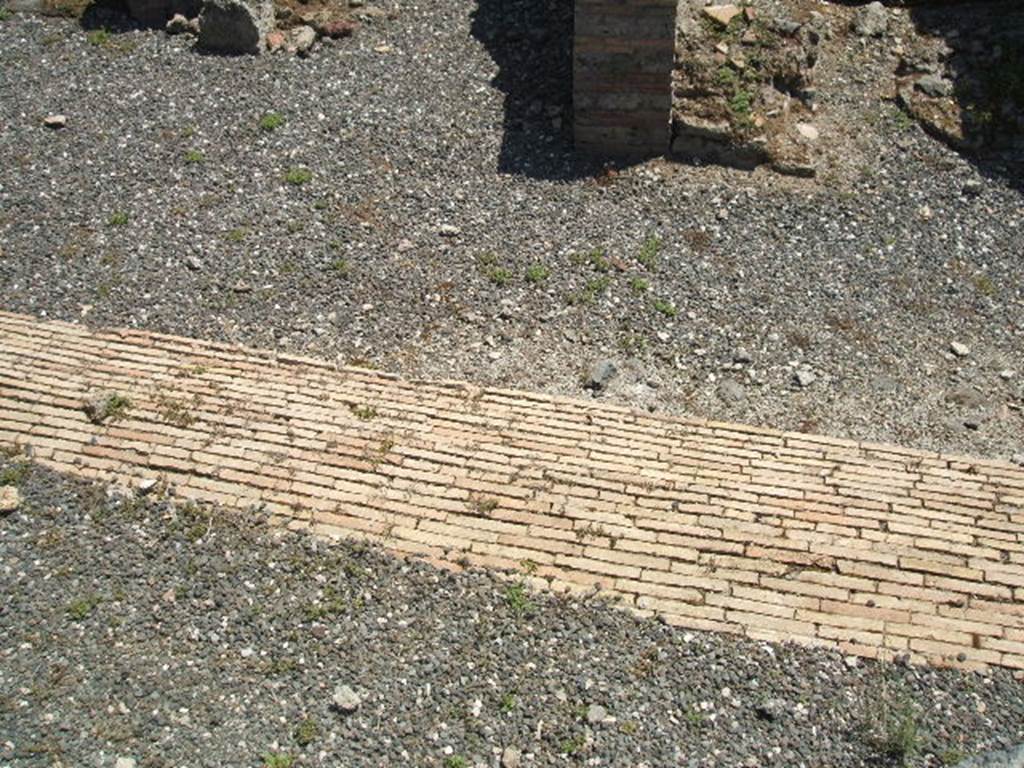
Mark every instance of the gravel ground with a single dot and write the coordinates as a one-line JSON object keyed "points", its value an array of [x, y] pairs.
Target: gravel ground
{"points": [[446, 230], [178, 636]]}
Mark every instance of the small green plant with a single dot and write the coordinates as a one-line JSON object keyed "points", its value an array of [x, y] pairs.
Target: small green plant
{"points": [[80, 608], [892, 728], [740, 105], [175, 411], [194, 157], [236, 235], [99, 37], [340, 266], [483, 506], [665, 307], [537, 273], [271, 122], [456, 761], [332, 604], [649, 251], [278, 760], [984, 284], [639, 285], [298, 176], [508, 702], [4, 14], [899, 739], [364, 412], [591, 291], [596, 258], [573, 745], [14, 474], [110, 408], [306, 732], [952, 756], [694, 717], [633, 344], [498, 275], [517, 600]]}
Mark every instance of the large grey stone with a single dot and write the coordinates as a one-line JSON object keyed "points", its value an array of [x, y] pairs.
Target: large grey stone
{"points": [[601, 372], [235, 26], [10, 499], [871, 21], [345, 699]]}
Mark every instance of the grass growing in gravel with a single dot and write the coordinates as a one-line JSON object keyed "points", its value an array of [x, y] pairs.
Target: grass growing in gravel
{"points": [[649, 252], [4, 14], [573, 744], [194, 157], [591, 291], [499, 276], [639, 285], [119, 219], [537, 273], [891, 726], [80, 608], [340, 266], [456, 761], [665, 307], [517, 599], [596, 258], [493, 271], [306, 732], [298, 176], [14, 474], [271, 122], [99, 37], [236, 235], [278, 760]]}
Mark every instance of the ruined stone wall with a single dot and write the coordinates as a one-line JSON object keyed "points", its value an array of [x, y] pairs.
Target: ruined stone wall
{"points": [[622, 69]]}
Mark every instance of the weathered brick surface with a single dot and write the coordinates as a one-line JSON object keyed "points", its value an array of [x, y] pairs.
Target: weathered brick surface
{"points": [[874, 550], [622, 69]]}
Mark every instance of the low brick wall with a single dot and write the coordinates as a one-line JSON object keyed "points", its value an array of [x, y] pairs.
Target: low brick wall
{"points": [[622, 76]]}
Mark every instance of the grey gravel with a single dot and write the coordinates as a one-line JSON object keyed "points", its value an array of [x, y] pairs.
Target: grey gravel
{"points": [[458, 114], [125, 620]]}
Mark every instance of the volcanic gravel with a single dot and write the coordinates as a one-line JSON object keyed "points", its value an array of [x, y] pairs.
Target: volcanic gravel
{"points": [[441, 170], [173, 635]]}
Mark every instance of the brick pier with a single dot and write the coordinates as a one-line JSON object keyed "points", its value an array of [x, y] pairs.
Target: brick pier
{"points": [[623, 54], [876, 550]]}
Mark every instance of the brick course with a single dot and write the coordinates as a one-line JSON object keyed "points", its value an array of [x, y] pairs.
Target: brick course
{"points": [[873, 550]]}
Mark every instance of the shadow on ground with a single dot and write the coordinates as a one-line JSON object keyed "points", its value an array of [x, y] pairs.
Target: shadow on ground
{"points": [[963, 81], [531, 42]]}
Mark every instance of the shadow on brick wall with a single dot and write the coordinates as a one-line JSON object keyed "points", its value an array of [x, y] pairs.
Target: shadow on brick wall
{"points": [[531, 43]]}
